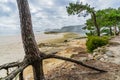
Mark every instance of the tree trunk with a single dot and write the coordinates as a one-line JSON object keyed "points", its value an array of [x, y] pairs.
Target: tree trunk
{"points": [[38, 70], [21, 76], [95, 23], [110, 30], [30, 46], [119, 30], [115, 30]]}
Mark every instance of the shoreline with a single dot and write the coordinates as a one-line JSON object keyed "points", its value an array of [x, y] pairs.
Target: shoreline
{"points": [[11, 47]]}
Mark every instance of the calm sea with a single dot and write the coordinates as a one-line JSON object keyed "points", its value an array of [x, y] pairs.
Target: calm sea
{"points": [[6, 32], [9, 32]]}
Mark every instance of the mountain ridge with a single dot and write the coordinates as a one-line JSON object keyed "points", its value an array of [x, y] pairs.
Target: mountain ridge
{"points": [[71, 28]]}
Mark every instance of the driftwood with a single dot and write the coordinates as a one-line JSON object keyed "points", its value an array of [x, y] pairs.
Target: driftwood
{"points": [[33, 56]]}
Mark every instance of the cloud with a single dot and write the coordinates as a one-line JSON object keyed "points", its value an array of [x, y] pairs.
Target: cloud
{"points": [[102, 4], [47, 13]]}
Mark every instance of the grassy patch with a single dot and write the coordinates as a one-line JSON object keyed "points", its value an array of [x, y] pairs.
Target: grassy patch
{"points": [[51, 32], [71, 35], [66, 37]]}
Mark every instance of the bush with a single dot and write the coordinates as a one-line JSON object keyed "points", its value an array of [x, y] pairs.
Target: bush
{"points": [[94, 42]]}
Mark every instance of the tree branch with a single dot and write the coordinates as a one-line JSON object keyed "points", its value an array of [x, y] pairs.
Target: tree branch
{"points": [[74, 61], [9, 65], [23, 65]]}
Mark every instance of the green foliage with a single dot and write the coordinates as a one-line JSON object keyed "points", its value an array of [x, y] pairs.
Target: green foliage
{"points": [[77, 8], [51, 32], [94, 42], [106, 18], [81, 9], [102, 18]]}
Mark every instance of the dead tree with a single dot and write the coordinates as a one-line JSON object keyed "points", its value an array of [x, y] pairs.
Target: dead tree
{"points": [[32, 54]]}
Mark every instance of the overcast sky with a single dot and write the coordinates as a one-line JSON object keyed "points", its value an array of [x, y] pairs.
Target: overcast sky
{"points": [[47, 13]]}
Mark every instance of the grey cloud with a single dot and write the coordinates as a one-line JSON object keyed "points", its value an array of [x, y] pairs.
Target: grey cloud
{"points": [[48, 13]]}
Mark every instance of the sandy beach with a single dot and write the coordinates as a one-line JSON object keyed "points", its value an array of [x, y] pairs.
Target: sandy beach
{"points": [[11, 47]]}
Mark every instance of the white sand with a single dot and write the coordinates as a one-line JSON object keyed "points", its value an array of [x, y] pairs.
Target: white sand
{"points": [[11, 48]]}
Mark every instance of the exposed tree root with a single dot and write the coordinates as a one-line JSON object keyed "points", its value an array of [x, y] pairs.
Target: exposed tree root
{"points": [[13, 74], [74, 61], [9, 65], [26, 63]]}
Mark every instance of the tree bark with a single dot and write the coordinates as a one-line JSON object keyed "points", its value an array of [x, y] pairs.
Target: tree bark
{"points": [[95, 23], [13, 74], [110, 30], [21, 76], [115, 30], [9, 65], [29, 43], [38, 70], [30, 46], [119, 30]]}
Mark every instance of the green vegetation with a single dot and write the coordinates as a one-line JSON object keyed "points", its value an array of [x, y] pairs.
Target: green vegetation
{"points": [[66, 37], [51, 32], [71, 35], [83, 10], [94, 42], [104, 22], [108, 21]]}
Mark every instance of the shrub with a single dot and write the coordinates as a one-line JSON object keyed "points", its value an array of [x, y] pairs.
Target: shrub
{"points": [[94, 42]]}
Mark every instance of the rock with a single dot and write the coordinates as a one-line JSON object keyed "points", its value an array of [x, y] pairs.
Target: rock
{"points": [[102, 59], [98, 57], [110, 53], [100, 50], [83, 59], [73, 67], [90, 57], [105, 56]]}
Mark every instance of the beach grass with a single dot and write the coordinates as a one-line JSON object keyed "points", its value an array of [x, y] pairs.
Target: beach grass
{"points": [[66, 36]]}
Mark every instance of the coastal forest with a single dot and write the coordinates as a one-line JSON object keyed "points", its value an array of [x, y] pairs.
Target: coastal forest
{"points": [[94, 56]]}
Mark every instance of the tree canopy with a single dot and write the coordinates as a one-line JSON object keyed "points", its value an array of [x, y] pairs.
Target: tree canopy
{"points": [[79, 8], [100, 21], [106, 18]]}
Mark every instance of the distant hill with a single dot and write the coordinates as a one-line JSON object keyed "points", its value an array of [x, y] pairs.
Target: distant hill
{"points": [[74, 28]]}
